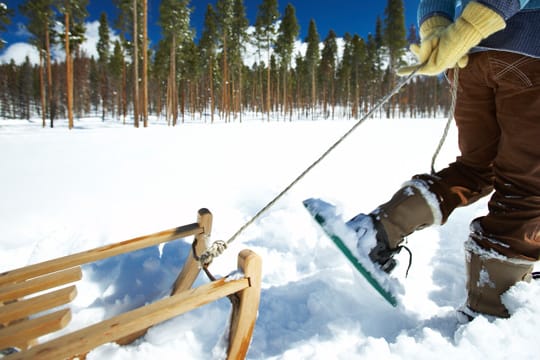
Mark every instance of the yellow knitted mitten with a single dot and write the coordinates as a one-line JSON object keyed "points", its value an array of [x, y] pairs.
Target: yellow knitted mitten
{"points": [[450, 47]]}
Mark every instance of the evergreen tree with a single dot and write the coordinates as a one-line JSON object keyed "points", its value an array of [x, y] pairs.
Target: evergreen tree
{"points": [[103, 44], [379, 40], [236, 48], [174, 21], [24, 88], [287, 34], [225, 16], [74, 13], [362, 70], [396, 43], [40, 24], [344, 73], [118, 75], [328, 70], [312, 59], [208, 50], [5, 19], [130, 22], [394, 32], [267, 15], [191, 73], [103, 50], [374, 86]]}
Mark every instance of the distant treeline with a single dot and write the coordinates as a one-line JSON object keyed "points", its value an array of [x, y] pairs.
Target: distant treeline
{"points": [[210, 80]]}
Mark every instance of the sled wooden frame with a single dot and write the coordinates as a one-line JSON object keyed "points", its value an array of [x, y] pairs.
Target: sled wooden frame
{"points": [[21, 324]]}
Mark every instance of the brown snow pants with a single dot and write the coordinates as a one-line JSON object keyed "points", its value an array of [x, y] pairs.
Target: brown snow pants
{"points": [[498, 119]]}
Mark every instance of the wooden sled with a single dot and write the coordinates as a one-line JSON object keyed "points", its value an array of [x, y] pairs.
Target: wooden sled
{"points": [[30, 298]]}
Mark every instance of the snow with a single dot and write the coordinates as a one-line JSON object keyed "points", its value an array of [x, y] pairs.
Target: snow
{"points": [[67, 191]]}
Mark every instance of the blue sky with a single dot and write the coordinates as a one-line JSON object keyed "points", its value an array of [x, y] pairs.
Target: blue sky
{"points": [[340, 15]]}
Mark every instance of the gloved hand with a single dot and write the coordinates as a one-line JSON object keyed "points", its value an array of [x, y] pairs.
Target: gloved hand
{"points": [[450, 46], [430, 32]]}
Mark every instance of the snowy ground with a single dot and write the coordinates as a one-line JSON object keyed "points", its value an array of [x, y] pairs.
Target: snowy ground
{"points": [[66, 191]]}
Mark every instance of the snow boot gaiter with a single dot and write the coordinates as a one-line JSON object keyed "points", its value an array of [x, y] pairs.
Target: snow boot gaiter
{"points": [[489, 275]]}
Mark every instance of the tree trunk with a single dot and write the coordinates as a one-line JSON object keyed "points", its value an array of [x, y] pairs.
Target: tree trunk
{"points": [[135, 67], [69, 73], [124, 92], [225, 87], [268, 87], [50, 100], [212, 97], [42, 89], [145, 64]]}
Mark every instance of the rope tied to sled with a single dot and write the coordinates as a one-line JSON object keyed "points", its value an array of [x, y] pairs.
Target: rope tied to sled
{"points": [[453, 94], [218, 247]]}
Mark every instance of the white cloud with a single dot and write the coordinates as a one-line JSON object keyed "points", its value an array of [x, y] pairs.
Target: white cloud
{"points": [[18, 53]]}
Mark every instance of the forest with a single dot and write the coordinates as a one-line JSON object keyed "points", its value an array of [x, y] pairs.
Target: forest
{"points": [[206, 78]]}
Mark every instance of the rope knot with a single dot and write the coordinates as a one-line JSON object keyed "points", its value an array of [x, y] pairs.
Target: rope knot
{"points": [[216, 249]]}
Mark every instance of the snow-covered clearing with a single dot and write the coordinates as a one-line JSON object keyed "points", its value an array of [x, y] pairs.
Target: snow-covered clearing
{"points": [[66, 191]]}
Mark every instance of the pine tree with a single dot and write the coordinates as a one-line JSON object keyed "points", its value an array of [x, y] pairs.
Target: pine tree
{"points": [[117, 69], [328, 70], [313, 59], [287, 34], [236, 48], [394, 32], [160, 73], [225, 16], [74, 12], [208, 50], [130, 24], [24, 88], [124, 23], [5, 19], [40, 24], [103, 50], [191, 74], [267, 15], [362, 68], [375, 86], [174, 21], [344, 73], [396, 42]]}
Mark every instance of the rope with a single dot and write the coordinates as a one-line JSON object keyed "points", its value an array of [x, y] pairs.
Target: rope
{"points": [[453, 93], [218, 247]]}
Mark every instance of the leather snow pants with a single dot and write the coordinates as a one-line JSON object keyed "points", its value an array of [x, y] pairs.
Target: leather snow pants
{"points": [[498, 119]]}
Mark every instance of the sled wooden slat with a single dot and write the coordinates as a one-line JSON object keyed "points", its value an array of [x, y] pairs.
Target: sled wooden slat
{"points": [[16, 335], [27, 293], [86, 339], [21, 309], [98, 253], [32, 286]]}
